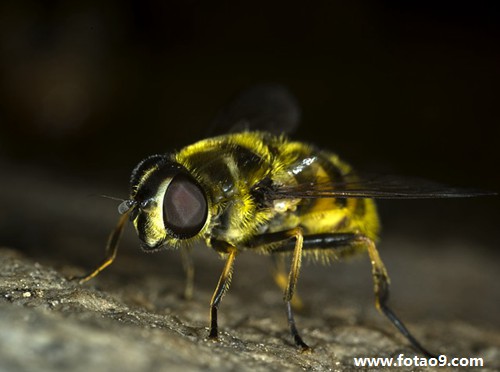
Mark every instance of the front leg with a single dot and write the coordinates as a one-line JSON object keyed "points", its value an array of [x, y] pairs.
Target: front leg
{"points": [[111, 249], [220, 290]]}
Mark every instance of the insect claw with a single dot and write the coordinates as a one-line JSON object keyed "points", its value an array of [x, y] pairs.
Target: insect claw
{"points": [[213, 337], [306, 349], [77, 278]]}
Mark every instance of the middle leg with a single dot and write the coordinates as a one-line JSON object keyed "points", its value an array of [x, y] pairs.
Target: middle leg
{"points": [[276, 241]]}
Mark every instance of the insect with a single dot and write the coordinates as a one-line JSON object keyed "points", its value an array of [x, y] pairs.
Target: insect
{"points": [[256, 190]]}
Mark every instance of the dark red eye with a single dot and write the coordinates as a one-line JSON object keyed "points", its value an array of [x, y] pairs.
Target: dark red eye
{"points": [[184, 207]]}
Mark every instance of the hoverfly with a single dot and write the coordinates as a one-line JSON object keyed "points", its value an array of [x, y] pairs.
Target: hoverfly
{"points": [[256, 190]]}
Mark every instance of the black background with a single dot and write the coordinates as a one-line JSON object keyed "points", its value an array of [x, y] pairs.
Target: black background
{"points": [[88, 89]]}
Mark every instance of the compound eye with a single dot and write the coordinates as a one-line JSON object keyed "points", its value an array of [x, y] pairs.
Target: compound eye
{"points": [[184, 207]]}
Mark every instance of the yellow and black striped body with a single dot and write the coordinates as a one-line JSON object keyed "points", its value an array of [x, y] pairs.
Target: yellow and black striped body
{"points": [[232, 168]]}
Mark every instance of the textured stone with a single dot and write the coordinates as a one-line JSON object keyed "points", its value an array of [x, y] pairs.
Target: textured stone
{"points": [[135, 321]]}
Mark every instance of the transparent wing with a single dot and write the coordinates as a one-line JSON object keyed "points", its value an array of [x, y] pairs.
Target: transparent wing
{"points": [[373, 187], [266, 107]]}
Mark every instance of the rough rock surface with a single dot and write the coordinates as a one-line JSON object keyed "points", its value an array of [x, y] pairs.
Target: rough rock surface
{"points": [[132, 318]]}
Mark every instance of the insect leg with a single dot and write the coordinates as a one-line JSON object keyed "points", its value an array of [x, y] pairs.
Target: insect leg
{"points": [[187, 264], [220, 290], [381, 281], [286, 241], [380, 276], [280, 278], [282, 241], [318, 241], [292, 282], [111, 249]]}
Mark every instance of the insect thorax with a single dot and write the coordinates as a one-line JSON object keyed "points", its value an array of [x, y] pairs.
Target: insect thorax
{"points": [[232, 169]]}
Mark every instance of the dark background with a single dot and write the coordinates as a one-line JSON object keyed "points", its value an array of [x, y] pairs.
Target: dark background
{"points": [[89, 89]]}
